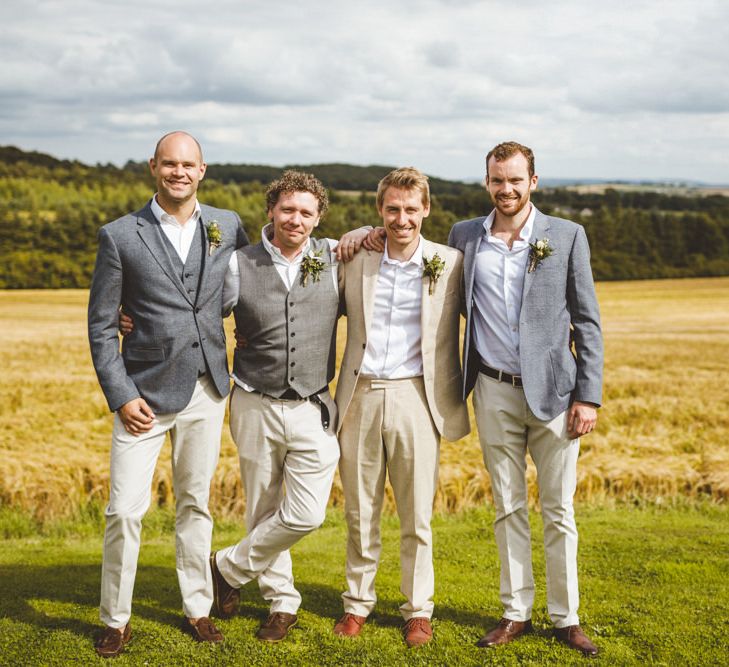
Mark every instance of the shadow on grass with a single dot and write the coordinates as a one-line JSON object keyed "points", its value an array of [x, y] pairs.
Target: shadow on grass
{"points": [[27, 588]]}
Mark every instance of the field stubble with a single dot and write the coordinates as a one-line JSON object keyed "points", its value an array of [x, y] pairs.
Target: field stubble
{"points": [[662, 434]]}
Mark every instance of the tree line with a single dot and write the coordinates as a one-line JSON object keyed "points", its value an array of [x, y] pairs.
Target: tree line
{"points": [[51, 210]]}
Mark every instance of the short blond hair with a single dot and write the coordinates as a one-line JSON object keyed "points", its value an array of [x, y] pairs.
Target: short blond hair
{"points": [[405, 178]]}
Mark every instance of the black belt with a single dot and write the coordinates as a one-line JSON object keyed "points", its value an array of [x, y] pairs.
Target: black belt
{"points": [[501, 376], [293, 395]]}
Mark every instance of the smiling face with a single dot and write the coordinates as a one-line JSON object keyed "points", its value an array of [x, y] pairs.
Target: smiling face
{"points": [[509, 184], [294, 217], [402, 213], [178, 169]]}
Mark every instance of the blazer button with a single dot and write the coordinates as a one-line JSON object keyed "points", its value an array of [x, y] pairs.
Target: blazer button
{"points": [[291, 319], [293, 363], [356, 372], [196, 344], [364, 346]]}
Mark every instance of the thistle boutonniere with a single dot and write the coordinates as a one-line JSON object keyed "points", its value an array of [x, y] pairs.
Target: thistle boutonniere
{"points": [[215, 236], [311, 265], [433, 268], [537, 252]]}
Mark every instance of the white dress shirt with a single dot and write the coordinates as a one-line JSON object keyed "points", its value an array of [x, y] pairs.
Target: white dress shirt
{"points": [[180, 235], [393, 343], [497, 291]]}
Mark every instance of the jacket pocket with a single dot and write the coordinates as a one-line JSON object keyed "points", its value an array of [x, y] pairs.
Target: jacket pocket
{"points": [[144, 354]]}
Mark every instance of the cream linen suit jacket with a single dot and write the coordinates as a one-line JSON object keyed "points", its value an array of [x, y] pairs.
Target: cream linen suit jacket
{"points": [[440, 319]]}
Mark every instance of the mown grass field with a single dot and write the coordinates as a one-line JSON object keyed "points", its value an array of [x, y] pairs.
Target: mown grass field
{"points": [[662, 434], [654, 586]]}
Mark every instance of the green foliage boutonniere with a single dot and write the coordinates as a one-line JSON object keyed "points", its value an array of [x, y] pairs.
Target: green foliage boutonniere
{"points": [[433, 268], [215, 236], [537, 252], [311, 265]]}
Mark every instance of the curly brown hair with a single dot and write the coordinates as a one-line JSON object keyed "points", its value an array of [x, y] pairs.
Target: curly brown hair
{"points": [[509, 149], [297, 181]]}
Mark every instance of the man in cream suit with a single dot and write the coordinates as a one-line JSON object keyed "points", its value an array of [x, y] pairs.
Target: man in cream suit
{"points": [[165, 265], [530, 298], [398, 392]]}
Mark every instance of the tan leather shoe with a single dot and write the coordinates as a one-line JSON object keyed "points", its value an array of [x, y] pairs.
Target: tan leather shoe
{"points": [[112, 641], [506, 631], [202, 630], [350, 625], [417, 631], [226, 599], [575, 638], [276, 626]]}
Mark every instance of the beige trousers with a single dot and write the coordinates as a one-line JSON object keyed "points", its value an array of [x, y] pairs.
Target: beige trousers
{"points": [[287, 463], [195, 436], [388, 428], [507, 430]]}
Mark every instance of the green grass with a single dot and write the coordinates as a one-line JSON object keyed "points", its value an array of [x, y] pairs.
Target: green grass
{"points": [[654, 584]]}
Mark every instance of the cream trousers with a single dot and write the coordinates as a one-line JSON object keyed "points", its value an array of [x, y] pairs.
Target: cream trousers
{"points": [[195, 436], [287, 464], [507, 430], [388, 429]]}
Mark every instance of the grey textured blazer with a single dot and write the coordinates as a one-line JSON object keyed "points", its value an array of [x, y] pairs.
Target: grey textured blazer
{"points": [[558, 305], [159, 360]]}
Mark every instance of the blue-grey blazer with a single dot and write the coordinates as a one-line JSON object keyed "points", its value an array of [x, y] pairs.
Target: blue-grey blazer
{"points": [[559, 305], [134, 270]]}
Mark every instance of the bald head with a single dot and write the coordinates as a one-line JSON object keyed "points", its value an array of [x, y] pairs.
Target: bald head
{"points": [[176, 134]]}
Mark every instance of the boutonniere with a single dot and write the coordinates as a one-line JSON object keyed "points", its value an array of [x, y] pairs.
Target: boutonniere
{"points": [[433, 268], [215, 236], [537, 252], [311, 265]]}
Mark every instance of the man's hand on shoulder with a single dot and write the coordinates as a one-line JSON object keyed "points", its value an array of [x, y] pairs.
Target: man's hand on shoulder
{"points": [[350, 243], [136, 416], [375, 240], [581, 419]]}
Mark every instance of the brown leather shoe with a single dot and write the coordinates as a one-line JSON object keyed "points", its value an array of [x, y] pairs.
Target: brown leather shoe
{"points": [[203, 630], [575, 638], [112, 641], [417, 631], [506, 631], [226, 599], [276, 626], [350, 625]]}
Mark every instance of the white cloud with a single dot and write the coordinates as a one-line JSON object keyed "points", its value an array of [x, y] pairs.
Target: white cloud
{"points": [[632, 89]]}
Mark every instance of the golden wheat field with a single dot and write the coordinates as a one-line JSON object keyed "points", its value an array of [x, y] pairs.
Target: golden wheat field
{"points": [[662, 433]]}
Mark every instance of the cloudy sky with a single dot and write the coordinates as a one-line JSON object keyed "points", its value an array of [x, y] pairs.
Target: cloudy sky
{"points": [[616, 89]]}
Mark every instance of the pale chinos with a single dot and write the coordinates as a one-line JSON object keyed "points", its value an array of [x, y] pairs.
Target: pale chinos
{"points": [[507, 429], [379, 436], [195, 436], [281, 444]]}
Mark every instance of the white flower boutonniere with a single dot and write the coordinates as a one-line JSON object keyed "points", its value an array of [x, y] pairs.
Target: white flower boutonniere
{"points": [[433, 268], [215, 236], [311, 265], [537, 252]]}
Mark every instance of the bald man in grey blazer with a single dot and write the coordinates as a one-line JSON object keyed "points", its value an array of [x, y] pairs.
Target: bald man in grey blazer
{"points": [[165, 265], [533, 355]]}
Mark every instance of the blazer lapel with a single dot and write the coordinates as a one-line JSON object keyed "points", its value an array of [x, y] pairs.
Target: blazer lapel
{"points": [[426, 297], [539, 231], [469, 258], [149, 231], [370, 272], [207, 259]]}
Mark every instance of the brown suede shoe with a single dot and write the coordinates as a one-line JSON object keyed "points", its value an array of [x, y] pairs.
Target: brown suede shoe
{"points": [[575, 638], [276, 626], [506, 631], [350, 625], [112, 641], [202, 630], [226, 599], [417, 631]]}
